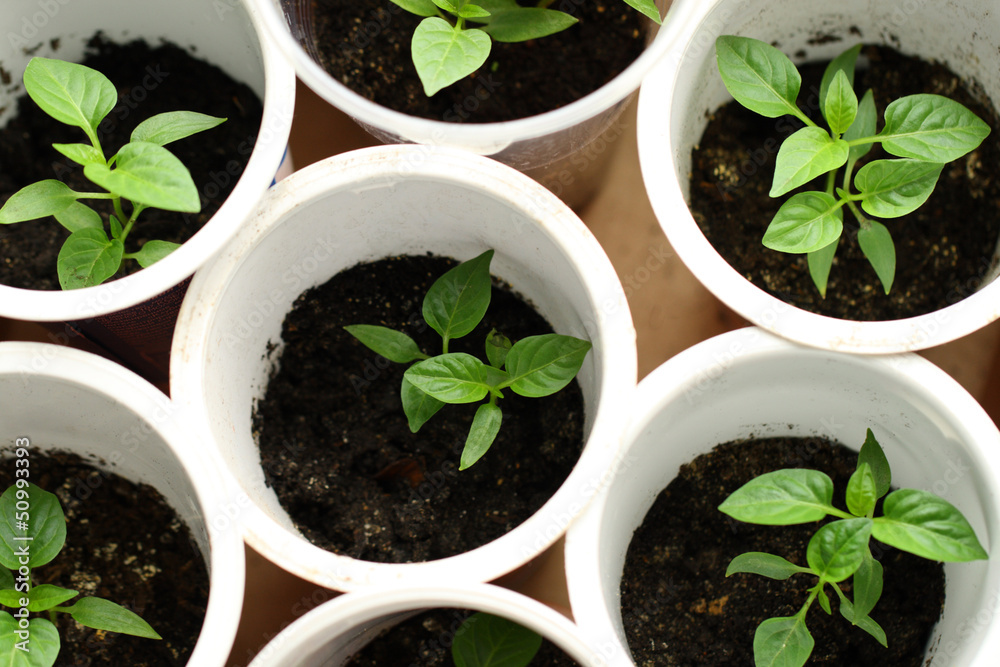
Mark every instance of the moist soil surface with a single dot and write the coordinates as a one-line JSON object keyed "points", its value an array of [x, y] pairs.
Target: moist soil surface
{"points": [[150, 80], [336, 447], [124, 543], [680, 609], [365, 44], [943, 250], [426, 638]]}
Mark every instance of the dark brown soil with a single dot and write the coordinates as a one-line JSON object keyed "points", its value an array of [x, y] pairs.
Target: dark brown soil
{"points": [[943, 250], [150, 80], [124, 544], [679, 608], [425, 640], [366, 45], [335, 444]]}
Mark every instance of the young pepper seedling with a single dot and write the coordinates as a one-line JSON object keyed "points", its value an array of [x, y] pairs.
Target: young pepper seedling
{"points": [[925, 131], [32, 533], [454, 305], [445, 48], [142, 174], [915, 521]]}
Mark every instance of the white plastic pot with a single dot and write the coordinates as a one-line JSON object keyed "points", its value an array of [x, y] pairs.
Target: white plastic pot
{"points": [[334, 631], [367, 205], [748, 383], [64, 399], [543, 145], [228, 34], [679, 95]]}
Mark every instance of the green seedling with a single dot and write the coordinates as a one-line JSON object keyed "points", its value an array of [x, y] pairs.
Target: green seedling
{"points": [[915, 521], [32, 533], [446, 48], [454, 305], [142, 174], [924, 131], [484, 640]]}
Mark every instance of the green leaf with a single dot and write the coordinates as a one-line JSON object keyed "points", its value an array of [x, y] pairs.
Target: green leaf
{"points": [[928, 526], [9, 597], [782, 642], [807, 222], [526, 23], [70, 93], [79, 216], [861, 494], [116, 227], [419, 7], [417, 406], [164, 128], [103, 614], [82, 154], [931, 128], [542, 365], [485, 640], [865, 125], [836, 550], [448, 5], [88, 258], [876, 243], [37, 200], [646, 7], [43, 643], [443, 53], [820, 262], [824, 600], [453, 378], [867, 585], [808, 153], [781, 498], [864, 622], [497, 347], [457, 301], [758, 76], [6, 578], [841, 106], [844, 63], [42, 532], [394, 345], [764, 564], [472, 12], [153, 251], [894, 188], [47, 596], [871, 453], [482, 433], [150, 175]]}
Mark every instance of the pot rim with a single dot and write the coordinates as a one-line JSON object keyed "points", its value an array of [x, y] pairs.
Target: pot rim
{"points": [[353, 612], [376, 167]]}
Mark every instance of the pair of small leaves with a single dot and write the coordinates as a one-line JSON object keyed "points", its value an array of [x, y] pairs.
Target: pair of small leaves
{"points": [[925, 130], [485, 640], [143, 172], [444, 52]]}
